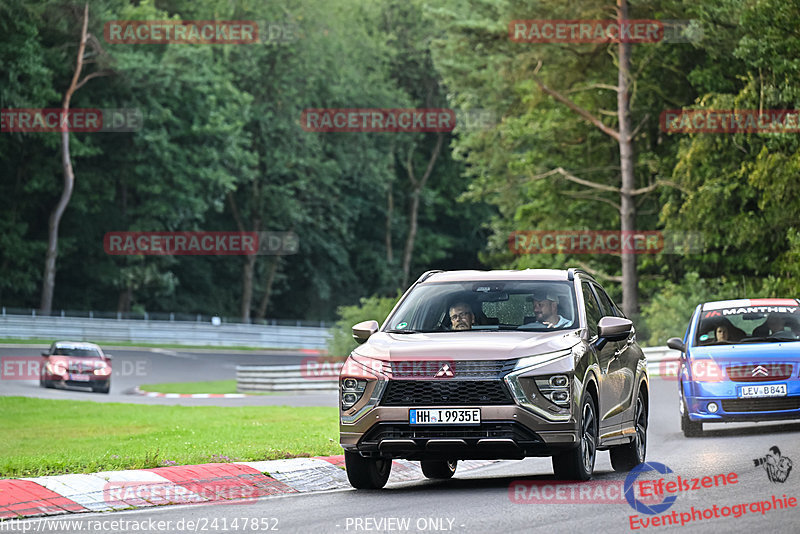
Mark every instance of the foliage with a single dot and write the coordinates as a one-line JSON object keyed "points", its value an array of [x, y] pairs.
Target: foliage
{"points": [[369, 308]]}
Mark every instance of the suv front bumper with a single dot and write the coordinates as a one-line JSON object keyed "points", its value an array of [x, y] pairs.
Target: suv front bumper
{"points": [[507, 431]]}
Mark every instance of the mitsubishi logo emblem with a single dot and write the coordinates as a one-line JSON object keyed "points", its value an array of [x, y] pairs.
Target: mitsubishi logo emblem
{"points": [[444, 371], [760, 371]]}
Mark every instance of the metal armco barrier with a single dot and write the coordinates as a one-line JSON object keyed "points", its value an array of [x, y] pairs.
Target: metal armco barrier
{"points": [[317, 376], [166, 332], [261, 378]]}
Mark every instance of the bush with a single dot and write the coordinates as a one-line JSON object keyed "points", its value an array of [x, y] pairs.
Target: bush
{"points": [[377, 308]]}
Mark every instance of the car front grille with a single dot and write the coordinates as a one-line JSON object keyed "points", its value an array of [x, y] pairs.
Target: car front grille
{"points": [[764, 372], [761, 405], [445, 392], [458, 369]]}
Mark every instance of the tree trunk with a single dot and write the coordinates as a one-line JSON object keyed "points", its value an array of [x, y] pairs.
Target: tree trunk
{"points": [[49, 277], [261, 313], [389, 215], [627, 212], [413, 211], [247, 287], [417, 186]]}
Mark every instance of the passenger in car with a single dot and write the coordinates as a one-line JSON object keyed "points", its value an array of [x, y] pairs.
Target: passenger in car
{"points": [[545, 310], [773, 324]]}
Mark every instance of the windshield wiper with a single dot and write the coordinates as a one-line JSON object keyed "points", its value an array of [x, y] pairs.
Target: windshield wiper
{"points": [[394, 331], [767, 339]]}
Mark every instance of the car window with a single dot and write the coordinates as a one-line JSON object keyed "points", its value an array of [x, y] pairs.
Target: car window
{"points": [[89, 353], [592, 309], [748, 324], [606, 307], [492, 305]]}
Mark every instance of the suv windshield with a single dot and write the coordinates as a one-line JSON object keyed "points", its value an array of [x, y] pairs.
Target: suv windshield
{"points": [[749, 325], [488, 305]]}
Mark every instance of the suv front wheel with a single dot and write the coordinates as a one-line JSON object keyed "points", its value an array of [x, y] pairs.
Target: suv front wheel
{"points": [[578, 463], [366, 473]]}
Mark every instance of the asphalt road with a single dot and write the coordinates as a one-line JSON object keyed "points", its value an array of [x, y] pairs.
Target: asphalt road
{"points": [[132, 367], [482, 500]]}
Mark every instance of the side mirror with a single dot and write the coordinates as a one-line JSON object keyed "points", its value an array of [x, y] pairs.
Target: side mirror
{"points": [[362, 331], [45, 354], [108, 357], [614, 328], [676, 343]]}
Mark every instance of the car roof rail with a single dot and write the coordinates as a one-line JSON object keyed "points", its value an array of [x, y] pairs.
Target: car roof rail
{"points": [[428, 274], [571, 273]]}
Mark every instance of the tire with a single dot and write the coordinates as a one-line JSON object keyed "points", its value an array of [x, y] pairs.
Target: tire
{"points": [[691, 429], [439, 469], [578, 463], [366, 473], [626, 457], [103, 389]]}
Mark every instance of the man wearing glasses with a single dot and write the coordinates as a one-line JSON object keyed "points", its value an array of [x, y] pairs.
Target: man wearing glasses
{"points": [[461, 316]]}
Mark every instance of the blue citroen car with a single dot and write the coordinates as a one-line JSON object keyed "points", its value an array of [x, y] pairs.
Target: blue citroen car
{"points": [[739, 361]]}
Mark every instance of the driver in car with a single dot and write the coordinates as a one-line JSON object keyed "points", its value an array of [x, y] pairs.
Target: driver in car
{"points": [[461, 316]]}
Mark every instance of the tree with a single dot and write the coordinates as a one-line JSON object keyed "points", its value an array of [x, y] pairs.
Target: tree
{"points": [[49, 278]]}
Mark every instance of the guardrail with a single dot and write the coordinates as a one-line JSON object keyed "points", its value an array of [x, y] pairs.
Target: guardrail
{"points": [[318, 375], [163, 332]]}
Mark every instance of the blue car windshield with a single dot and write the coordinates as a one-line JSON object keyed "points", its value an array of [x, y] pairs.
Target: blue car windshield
{"points": [[524, 305], [748, 324]]}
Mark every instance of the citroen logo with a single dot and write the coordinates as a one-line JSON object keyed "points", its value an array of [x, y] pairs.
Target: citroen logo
{"points": [[760, 371], [444, 371]]}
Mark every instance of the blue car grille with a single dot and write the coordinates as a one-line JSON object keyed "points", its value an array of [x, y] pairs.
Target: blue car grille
{"points": [[759, 372]]}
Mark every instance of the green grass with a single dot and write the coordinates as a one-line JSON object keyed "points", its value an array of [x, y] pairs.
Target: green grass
{"points": [[130, 344], [47, 437], [211, 386]]}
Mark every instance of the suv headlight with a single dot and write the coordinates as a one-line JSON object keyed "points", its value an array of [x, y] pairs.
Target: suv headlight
{"points": [[357, 373]]}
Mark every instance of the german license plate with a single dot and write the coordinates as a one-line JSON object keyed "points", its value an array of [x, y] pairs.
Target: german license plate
{"points": [[79, 378], [762, 390], [444, 416]]}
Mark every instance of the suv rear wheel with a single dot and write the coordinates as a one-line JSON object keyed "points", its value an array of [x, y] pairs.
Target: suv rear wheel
{"points": [[366, 473], [438, 469], [626, 457], [578, 463]]}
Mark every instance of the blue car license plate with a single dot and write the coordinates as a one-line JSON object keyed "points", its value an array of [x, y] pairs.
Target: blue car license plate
{"points": [[762, 390]]}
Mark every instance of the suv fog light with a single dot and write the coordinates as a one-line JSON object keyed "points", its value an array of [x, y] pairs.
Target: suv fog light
{"points": [[712, 407], [560, 396], [352, 389], [559, 381]]}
